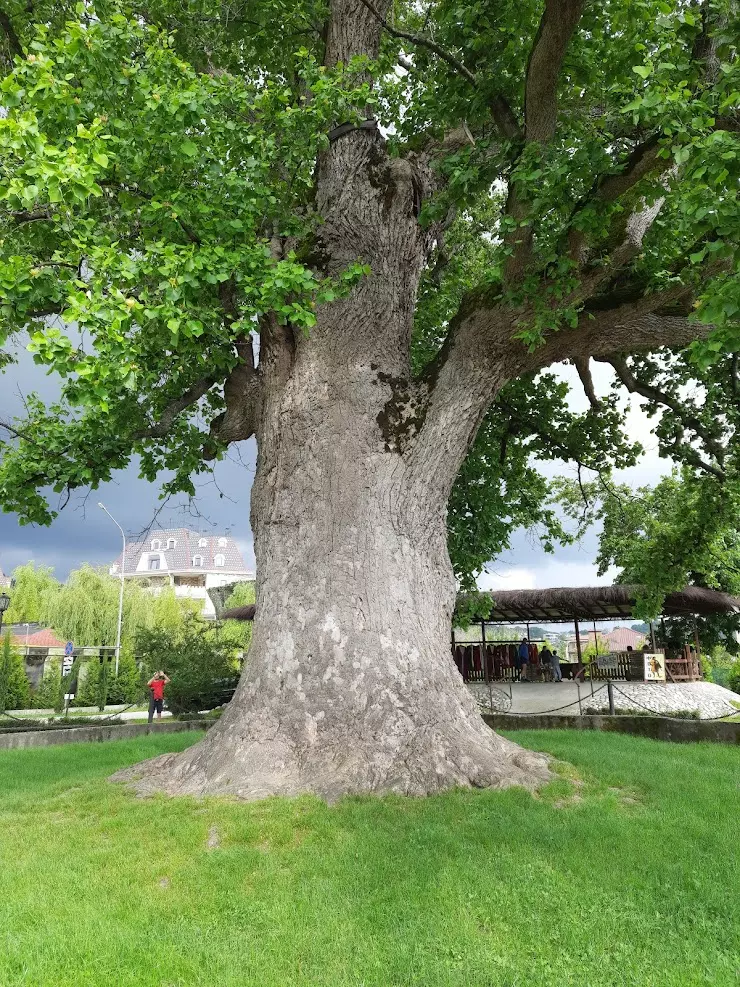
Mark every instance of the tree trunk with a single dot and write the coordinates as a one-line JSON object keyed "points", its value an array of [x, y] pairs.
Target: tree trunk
{"points": [[350, 686]]}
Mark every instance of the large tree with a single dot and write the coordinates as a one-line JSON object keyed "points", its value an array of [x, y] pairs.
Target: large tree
{"points": [[414, 210]]}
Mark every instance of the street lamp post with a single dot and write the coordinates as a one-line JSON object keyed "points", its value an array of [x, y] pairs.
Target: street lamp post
{"points": [[4, 604], [120, 595]]}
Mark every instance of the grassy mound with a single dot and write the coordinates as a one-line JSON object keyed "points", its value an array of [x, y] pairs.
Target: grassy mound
{"points": [[622, 872]]}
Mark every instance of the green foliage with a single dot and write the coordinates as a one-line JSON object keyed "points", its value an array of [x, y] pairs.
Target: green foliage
{"points": [[200, 665], [85, 608], [733, 677], [46, 696], [128, 686], [721, 664], [150, 154], [95, 684], [237, 634], [31, 595], [15, 692]]}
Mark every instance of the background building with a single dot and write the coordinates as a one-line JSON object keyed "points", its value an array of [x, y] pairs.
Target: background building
{"points": [[190, 562], [618, 639], [4, 580]]}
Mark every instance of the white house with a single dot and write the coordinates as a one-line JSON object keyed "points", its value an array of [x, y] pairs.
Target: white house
{"points": [[190, 562]]}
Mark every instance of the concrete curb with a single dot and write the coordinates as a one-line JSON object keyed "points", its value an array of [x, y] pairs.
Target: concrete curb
{"points": [[655, 727], [95, 734]]}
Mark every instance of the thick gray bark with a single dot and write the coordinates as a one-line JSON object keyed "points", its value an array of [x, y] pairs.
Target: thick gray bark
{"points": [[350, 686]]}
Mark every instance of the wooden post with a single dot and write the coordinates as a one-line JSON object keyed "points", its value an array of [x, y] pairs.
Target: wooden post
{"points": [[652, 637], [578, 648], [698, 647], [484, 656]]}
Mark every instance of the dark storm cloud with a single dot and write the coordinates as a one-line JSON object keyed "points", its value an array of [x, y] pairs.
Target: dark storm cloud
{"points": [[82, 533]]}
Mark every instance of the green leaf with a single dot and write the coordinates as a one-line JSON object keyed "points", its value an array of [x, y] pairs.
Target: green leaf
{"points": [[189, 149]]}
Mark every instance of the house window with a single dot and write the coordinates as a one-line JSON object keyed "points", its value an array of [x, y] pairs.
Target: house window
{"points": [[202, 543], [197, 561], [220, 560], [222, 543], [171, 543], [154, 562], [156, 545]]}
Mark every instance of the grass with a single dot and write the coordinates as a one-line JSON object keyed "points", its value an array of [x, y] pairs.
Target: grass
{"points": [[622, 872]]}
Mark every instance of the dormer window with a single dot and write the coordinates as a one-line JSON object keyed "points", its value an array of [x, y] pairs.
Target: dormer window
{"points": [[154, 562], [220, 560], [171, 543], [156, 545], [222, 543], [197, 561], [202, 543]]}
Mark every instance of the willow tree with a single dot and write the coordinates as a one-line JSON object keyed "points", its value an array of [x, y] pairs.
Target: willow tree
{"points": [[415, 212]]}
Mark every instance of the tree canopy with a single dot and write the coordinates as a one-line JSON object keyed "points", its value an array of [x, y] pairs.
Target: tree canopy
{"points": [[158, 212]]}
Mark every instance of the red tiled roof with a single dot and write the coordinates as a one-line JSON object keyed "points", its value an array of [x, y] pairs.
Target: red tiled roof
{"points": [[41, 639]]}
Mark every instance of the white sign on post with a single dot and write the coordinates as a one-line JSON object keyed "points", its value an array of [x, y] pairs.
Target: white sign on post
{"points": [[654, 667], [67, 663]]}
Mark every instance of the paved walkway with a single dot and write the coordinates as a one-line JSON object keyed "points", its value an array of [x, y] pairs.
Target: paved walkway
{"points": [[548, 697]]}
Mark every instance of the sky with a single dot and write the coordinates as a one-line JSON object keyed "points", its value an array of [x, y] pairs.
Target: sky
{"points": [[82, 532]]}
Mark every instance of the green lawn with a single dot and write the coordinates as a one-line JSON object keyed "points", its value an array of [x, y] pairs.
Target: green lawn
{"points": [[628, 875]]}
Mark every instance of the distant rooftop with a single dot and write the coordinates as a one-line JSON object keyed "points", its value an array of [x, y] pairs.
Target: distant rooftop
{"points": [[182, 550]]}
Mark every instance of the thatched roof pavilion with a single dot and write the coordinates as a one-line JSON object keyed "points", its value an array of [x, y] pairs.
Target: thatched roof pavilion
{"points": [[568, 603], [239, 613]]}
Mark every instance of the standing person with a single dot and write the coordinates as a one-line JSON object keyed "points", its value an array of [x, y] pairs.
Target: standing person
{"points": [[523, 660], [557, 675], [156, 684], [545, 656]]}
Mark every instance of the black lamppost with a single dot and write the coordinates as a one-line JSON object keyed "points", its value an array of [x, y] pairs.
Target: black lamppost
{"points": [[4, 604]]}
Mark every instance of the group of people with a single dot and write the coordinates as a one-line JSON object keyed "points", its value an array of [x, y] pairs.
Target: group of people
{"points": [[546, 656]]}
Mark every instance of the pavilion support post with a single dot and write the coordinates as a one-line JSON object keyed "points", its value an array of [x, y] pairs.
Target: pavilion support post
{"points": [[484, 655], [697, 645], [578, 647]]}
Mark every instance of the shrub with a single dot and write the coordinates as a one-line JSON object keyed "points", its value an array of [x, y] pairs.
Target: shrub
{"points": [[47, 694], [199, 664], [15, 691], [733, 677], [129, 685]]}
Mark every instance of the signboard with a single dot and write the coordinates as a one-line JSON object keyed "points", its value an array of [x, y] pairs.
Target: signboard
{"points": [[654, 667], [609, 663], [69, 649]]}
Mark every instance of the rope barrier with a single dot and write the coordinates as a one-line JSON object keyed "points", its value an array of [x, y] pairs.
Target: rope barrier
{"points": [[657, 712], [542, 712]]}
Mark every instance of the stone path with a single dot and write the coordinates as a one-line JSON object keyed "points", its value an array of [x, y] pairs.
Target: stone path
{"points": [[708, 699]]}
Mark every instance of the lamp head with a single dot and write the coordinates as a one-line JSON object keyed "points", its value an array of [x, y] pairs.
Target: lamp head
{"points": [[4, 602]]}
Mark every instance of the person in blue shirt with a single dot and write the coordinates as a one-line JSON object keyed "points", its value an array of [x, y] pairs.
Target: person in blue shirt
{"points": [[523, 660]]}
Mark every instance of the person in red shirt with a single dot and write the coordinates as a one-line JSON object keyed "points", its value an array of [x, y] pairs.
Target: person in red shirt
{"points": [[156, 684]]}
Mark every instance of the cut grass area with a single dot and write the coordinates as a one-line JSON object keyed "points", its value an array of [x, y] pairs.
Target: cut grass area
{"points": [[622, 872]]}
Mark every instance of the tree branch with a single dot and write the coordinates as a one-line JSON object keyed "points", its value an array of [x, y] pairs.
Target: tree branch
{"points": [[11, 34], [167, 419], [582, 365], [501, 112], [559, 21], [416, 39], [635, 386], [608, 188]]}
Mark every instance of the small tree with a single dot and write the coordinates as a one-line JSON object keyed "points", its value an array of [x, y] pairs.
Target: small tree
{"points": [[15, 691], [128, 685], [94, 687], [46, 696]]}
